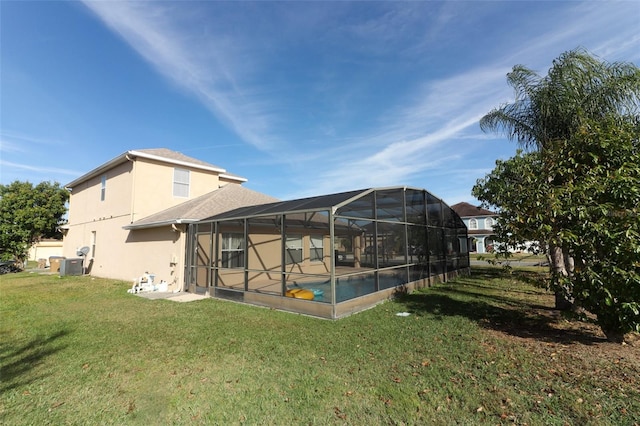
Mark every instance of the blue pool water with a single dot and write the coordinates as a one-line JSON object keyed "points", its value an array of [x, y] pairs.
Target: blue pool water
{"points": [[350, 287]]}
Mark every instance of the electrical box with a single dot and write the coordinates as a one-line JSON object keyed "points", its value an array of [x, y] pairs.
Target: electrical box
{"points": [[71, 267]]}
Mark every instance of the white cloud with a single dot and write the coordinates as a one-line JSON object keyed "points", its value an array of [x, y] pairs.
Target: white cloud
{"points": [[202, 64], [417, 134], [39, 169]]}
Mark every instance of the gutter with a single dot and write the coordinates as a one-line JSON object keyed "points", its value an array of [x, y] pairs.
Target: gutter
{"points": [[160, 223]]}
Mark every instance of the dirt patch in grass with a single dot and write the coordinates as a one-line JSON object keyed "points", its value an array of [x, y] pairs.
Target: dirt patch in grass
{"points": [[573, 348]]}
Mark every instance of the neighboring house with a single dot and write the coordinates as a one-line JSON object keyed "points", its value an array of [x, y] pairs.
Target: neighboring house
{"points": [[44, 249], [479, 223], [133, 211]]}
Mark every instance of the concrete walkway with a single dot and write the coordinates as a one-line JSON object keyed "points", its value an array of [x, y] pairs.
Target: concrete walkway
{"points": [[175, 297]]}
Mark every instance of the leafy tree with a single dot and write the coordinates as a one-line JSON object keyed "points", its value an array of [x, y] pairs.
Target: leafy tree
{"points": [[515, 187], [548, 111], [578, 189], [598, 195], [28, 213]]}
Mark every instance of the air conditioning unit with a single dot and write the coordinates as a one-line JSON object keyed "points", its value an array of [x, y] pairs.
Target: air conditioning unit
{"points": [[71, 267]]}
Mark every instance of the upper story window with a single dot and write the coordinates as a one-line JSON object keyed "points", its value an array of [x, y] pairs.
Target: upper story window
{"points": [[103, 187], [180, 182], [488, 223], [473, 224]]}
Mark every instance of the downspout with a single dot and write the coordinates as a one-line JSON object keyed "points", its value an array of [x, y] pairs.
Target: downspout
{"points": [[133, 187]]}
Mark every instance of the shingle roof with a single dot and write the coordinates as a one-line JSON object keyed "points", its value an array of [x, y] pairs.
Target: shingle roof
{"points": [[468, 210], [176, 156], [229, 197]]}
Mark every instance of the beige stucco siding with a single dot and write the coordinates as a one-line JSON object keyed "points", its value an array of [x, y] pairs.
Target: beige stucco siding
{"points": [[126, 255], [86, 204], [264, 253], [153, 186]]}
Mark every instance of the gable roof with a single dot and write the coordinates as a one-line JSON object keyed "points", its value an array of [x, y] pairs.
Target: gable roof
{"points": [[229, 197], [163, 155], [468, 210]]}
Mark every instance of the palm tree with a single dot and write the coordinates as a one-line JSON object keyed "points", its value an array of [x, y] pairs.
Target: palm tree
{"points": [[579, 87], [548, 111]]}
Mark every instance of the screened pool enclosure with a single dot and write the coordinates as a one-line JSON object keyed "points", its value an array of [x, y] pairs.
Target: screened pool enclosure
{"points": [[328, 256]]}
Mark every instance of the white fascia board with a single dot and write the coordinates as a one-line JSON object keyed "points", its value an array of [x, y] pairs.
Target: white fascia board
{"points": [[236, 178], [98, 170], [176, 162]]}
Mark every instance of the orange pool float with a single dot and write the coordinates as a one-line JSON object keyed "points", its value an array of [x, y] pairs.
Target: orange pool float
{"points": [[300, 293]]}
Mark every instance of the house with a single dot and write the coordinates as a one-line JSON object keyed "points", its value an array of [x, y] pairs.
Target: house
{"points": [[480, 223], [194, 226], [132, 212]]}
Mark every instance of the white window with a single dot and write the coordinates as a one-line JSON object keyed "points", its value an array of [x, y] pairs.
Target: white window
{"points": [[294, 249], [488, 223], [103, 187], [180, 183], [473, 224], [316, 253], [232, 250], [93, 244]]}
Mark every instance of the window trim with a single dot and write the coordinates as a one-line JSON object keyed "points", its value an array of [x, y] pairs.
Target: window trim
{"points": [[103, 187], [181, 184], [289, 258], [473, 223], [313, 257], [488, 223], [227, 240]]}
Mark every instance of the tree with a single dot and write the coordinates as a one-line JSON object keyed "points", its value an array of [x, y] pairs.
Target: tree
{"points": [[578, 189], [548, 111], [598, 195], [591, 208], [28, 213]]}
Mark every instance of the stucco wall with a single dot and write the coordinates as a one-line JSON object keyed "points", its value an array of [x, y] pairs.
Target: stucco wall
{"points": [[153, 190], [85, 204], [126, 255], [264, 253]]}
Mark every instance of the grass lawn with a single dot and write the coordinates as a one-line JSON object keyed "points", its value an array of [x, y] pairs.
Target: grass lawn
{"points": [[482, 350]]}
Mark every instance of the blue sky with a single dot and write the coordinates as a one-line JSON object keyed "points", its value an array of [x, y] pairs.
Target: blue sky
{"points": [[301, 98]]}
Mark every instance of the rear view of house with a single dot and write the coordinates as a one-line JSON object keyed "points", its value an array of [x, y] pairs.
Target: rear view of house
{"points": [[194, 226]]}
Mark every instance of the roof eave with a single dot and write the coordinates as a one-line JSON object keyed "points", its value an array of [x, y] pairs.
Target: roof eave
{"points": [[234, 178], [176, 162], [98, 170], [128, 155]]}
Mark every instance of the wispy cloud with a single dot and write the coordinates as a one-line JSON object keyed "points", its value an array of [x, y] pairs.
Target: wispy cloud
{"points": [[415, 133], [202, 65], [19, 142], [39, 169]]}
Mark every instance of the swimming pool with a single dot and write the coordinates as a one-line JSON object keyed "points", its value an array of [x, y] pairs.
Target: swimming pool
{"points": [[351, 287]]}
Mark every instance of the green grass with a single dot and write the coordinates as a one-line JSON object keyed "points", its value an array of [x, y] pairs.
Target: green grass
{"points": [[482, 350], [522, 256]]}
